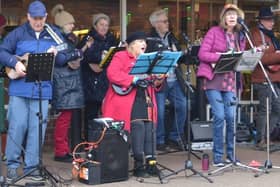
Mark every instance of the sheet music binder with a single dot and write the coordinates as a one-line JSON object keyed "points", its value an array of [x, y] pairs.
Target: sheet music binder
{"points": [[40, 67], [227, 62], [108, 57], [166, 60]]}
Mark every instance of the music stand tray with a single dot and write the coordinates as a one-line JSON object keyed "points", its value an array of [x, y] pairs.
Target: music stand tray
{"points": [[40, 67], [155, 62], [227, 62]]}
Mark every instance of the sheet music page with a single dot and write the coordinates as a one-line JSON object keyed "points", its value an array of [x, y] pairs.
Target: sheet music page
{"points": [[249, 60]]}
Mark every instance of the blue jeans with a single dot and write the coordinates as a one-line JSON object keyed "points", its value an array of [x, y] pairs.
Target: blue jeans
{"points": [[174, 94], [223, 108], [23, 131]]}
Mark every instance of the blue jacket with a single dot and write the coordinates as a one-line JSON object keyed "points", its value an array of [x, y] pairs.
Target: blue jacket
{"points": [[23, 40]]}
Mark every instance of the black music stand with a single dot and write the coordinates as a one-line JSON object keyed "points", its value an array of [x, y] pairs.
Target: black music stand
{"points": [[40, 68], [227, 62], [155, 63], [243, 61]]}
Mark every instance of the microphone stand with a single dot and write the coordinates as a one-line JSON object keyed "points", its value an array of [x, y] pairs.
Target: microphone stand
{"points": [[268, 164], [188, 163]]}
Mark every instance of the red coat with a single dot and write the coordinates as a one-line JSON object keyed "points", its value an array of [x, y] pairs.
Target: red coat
{"points": [[114, 105]]}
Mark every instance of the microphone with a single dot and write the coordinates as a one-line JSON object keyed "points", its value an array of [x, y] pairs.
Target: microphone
{"points": [[154, 39], [243, 24]]}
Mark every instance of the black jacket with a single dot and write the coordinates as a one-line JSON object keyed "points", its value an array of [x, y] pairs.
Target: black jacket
{"points": [[155, 45], [67, 83], [95, 84]]}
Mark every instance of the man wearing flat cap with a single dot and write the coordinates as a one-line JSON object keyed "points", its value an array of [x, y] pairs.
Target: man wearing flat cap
{"points": [[264, 39], [29, 38]]}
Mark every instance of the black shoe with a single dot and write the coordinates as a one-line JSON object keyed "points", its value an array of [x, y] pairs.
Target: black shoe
{"points": [[152, 170], [66, 158], [140, 172]]}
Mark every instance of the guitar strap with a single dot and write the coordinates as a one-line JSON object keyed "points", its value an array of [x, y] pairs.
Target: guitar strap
{"points": [[56, 38]]}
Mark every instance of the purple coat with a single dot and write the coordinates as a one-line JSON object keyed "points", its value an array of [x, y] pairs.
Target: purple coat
{"points": [[213, 42]]}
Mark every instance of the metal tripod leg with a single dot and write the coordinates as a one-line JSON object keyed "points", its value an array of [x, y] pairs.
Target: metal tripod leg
{"points": [[233, 166], [268, 164], [189, 166]]}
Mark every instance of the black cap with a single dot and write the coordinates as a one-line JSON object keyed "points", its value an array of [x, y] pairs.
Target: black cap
{"points": [[265, 13], [139, 35]]}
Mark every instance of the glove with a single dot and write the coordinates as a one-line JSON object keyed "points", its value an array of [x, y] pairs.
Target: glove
{"points": [[140, 82], [75, 54]]}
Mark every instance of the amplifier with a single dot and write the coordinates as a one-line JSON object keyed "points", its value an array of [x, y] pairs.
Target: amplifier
{"points": [[201, 131]]}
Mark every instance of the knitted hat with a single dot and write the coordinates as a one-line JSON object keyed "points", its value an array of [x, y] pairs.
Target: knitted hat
{"points": [[228, 7], [61, 17], [3, 20], [265, 13], [97, 17], [139, 35], [37, 9]]}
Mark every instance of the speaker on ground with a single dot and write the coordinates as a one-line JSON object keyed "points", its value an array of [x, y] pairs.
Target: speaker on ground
{"points": [[112, 153]]}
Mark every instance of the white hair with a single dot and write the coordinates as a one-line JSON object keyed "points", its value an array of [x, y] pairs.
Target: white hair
{"points": [[155, 15]]}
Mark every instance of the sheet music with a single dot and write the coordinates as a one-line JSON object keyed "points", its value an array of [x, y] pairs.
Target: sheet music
{"points": [[248, 61], [108, 57]]}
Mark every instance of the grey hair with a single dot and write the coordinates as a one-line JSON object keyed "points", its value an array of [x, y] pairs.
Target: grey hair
{"points": [[97, 17], [154, 16]]}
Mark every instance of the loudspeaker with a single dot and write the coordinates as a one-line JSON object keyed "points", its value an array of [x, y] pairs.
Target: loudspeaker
{"points": [[201, 131], [112, 153]]}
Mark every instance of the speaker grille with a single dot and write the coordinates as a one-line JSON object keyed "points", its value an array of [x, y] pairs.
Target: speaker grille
{"points": [[112, 153]]}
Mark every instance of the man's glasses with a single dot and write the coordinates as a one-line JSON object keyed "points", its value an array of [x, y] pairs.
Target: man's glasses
{"points": [[163, 21]]}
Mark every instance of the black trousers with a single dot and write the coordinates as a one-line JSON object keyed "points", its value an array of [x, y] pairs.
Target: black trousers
{"points": [[142, 139], [92, 110]]}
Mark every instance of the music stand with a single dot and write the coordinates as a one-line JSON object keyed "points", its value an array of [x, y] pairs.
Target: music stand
{"points": [[188, 163], [227, 62], [155, 63], [40, 68], [238, 63]]}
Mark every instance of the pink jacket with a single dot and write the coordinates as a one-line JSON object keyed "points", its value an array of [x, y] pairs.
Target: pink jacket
{"points": [[213, 42]]}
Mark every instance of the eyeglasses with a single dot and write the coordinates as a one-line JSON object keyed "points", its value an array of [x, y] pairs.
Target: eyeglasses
{"points": [[163, 21]]}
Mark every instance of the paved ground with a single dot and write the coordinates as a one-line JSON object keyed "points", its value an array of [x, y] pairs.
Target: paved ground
{"points": [[232, 177]]}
